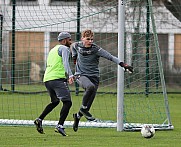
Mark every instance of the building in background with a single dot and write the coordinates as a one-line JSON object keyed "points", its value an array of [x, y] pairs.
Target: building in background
{"points": [[38, 23]]}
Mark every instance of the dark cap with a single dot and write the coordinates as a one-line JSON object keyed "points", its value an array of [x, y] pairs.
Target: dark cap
{"points": [[63, 35]]}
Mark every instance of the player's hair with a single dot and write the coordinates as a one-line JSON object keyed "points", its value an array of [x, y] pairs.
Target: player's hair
{"points": [[87, 33]]}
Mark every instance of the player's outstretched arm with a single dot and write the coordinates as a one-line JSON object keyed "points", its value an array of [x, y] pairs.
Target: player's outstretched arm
{"points": [[126, 67]]}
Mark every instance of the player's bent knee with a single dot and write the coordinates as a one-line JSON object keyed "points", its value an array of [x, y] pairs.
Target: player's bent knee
{"points": [[55, 103], [91, 88], [68, 104]]}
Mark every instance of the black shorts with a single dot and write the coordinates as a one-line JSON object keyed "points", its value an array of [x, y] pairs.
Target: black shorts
{"points": [[58, 90]]}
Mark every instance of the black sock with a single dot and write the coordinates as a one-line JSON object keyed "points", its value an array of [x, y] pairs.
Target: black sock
{"points": [[64, 112], [48, 109]]}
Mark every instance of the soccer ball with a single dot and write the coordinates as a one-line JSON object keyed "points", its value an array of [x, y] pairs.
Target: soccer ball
{"points": [[147, 131]]}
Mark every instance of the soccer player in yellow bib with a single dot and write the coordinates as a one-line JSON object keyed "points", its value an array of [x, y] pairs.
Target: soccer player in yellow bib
{"points": [[56, 78]]}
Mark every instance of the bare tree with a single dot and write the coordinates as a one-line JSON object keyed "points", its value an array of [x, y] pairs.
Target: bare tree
{"points": [[174, 6]]}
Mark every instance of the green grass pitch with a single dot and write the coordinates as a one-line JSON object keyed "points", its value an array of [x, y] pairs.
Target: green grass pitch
{"points": [[27, 136]]}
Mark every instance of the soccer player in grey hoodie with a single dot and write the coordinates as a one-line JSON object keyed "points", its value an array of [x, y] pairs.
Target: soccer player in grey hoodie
{"points": [[86, 56]]}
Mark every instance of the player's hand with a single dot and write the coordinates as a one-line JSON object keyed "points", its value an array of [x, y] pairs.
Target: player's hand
{"points": [[71, 80], [126, 67]]}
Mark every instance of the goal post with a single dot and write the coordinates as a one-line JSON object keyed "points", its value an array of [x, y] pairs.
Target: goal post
{"points": [[120, 76], [125, 28]]}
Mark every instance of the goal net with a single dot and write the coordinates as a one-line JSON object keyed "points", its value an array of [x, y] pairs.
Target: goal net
{"points": [[30, 29]]}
